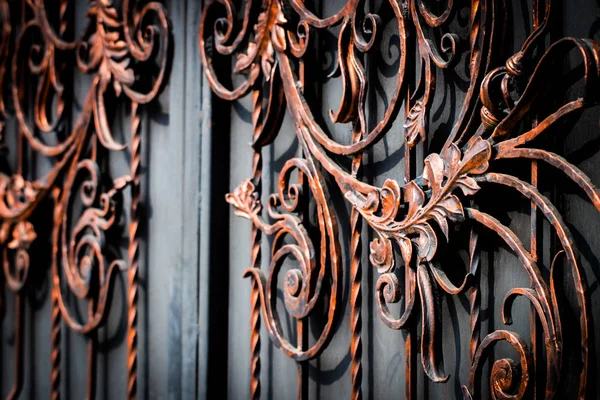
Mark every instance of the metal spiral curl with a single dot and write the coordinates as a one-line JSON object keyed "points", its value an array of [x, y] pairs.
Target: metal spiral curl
{"points": [[304, 283], [488, 128], [126, 54]]}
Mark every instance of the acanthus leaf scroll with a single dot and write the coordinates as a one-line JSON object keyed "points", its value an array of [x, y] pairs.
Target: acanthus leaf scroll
{"points": [[410, 219]]}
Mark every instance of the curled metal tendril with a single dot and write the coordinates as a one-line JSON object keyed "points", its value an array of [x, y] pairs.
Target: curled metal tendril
{"points": [[83, 260], [413, 217], [126, 54], [305, 283]]}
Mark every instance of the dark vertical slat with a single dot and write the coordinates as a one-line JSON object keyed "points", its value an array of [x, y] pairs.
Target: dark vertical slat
{"points": [[217, 262], [18, 357], [92, 363]]}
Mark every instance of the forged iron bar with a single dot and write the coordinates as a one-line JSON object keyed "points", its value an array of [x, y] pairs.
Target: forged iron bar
{"points": [[255, 254], [134, 255], [356, 294], [55, 337]]}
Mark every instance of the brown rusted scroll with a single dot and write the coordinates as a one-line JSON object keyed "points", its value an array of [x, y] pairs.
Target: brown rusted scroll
{"points": [[411, 217], [124, 51]]}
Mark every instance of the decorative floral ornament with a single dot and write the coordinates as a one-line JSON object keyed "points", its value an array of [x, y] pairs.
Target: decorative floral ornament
{"points": [[124, 51], [23, 235], [442, 176], [490, 125], [245, 200]]}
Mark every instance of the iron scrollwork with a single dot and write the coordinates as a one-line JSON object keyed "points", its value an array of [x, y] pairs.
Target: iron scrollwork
{"points": [[408, 219], [124, 50]]}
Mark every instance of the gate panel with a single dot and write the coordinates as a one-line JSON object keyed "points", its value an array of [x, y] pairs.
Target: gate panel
{"points": [[492, 267]]}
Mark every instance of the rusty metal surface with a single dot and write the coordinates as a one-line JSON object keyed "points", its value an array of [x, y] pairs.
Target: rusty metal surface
{"points": [[268, 48], [124, 51]]}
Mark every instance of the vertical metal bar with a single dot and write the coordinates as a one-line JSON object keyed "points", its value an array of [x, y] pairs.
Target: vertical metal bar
{"points": [[356, 282], [409, 276], [410, 343], [474, 299], [55, 338], [256, 237], [302, 324], [355, 304], [533, 248], [55, 351], [356, 272], [533, 322], [20, 147], [302, 365], [133, 254]]}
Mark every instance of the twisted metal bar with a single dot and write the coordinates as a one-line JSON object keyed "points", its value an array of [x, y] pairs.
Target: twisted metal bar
{"points": [[133, 252], [255, 255], [475, 307], [356, 291], [407, 213], [533, 323], [55, 337], [301, 326], [409, 344], [302, 391], [355, 304], [115, 65], [55, 342], [474, 300], [62, 14], [537, 12]]}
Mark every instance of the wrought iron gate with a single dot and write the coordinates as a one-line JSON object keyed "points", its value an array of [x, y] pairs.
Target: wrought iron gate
{"points": [[418, 201], [421, 145]]}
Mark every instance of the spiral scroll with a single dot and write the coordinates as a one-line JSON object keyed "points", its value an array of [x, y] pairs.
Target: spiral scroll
{"points": [[125, 51], [303, 285], [414, 217]]}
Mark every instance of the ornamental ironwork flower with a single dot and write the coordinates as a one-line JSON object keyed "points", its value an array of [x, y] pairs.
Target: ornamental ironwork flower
{"points": [[245, 200], [23, 235], [268, 32], [21, 190]]}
